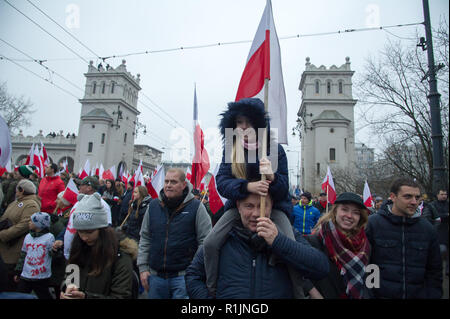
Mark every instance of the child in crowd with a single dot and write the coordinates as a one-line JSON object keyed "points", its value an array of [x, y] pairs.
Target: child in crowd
{"points": [[35, 261]]}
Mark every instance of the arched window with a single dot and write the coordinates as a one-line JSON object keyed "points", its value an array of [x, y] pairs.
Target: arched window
{"points": [[112, 86], [328, 87], [94, 87], [125, 138], [103, 138], [90, 147], [103, 87], [341, 88], [317, 86]]}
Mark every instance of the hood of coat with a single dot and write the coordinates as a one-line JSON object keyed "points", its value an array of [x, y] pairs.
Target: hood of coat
{"points": [[251, 108], [126, 244], [32, 197]]}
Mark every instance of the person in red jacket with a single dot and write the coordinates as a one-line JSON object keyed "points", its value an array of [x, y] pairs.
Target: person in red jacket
{"points": [[49, 188]]}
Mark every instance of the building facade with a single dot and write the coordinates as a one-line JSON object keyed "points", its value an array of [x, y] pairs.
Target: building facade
{"points": [[107, 127], [325, 122]]}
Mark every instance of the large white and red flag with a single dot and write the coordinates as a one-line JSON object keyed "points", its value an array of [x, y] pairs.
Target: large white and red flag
{"points": [[38, 162], [109, 173], [44, 155], [328, 186], [264, 62], [200, 162], [71, 192], [188, 174], [367, 197], [5, 147], [216, 201], [157, 182], [29, 160], [86, 170]]}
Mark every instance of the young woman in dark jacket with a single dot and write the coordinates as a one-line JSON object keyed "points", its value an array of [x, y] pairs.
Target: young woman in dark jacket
{"points": [[136, 212], [111, 196], [340, 235]]}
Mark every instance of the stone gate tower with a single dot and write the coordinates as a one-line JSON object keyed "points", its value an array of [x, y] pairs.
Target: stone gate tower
{"points": [[108, 117], [326, 122]]}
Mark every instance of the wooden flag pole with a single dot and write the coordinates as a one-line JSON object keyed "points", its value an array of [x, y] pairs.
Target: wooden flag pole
{"points": [[264, 144]]}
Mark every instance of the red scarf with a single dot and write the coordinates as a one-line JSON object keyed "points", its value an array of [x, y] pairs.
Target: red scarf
{"points": [[350, 254]]}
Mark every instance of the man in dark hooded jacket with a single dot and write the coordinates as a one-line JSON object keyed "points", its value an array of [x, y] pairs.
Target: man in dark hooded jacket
{"points": [[405, 247]]}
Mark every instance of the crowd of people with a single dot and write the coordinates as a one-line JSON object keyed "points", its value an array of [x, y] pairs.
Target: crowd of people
{"points": [[127, 245]]}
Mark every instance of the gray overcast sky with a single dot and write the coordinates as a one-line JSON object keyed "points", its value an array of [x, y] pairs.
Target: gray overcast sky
{"points": [[119, 27]]}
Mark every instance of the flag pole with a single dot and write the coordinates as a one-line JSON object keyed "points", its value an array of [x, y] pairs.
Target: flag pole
{"points": [[264, 144], [327, 200]]}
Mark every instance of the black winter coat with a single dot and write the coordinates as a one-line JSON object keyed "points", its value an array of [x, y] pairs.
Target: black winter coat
{"points": [[406, 250], [133, 224]]}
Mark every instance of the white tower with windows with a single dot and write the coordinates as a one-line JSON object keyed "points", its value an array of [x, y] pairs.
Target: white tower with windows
{"points": [[108, 117], [326, 122]]}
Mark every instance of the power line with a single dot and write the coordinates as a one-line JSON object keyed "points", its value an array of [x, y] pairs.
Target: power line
{"points": [[26, 69], [40, 62], [249, 41], [64, 29], [39, 26]]}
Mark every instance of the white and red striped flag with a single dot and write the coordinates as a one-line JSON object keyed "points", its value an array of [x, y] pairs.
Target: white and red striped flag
{"points": [[44, 155], [71, 192], [29, 160], [216, 201], [109, 173], [188, 174], [264, 62], [157, 182], [38, 162], [86, 170], [5, 147], [367, 197], [328, 186], [200, 162]]}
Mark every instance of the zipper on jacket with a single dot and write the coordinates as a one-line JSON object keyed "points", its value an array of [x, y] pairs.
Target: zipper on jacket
{"points": [[304, 218], [253, 279], [403, 258]]}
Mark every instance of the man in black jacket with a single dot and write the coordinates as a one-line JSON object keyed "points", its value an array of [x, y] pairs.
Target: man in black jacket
{"points": [[441, 206], [405, 247]]}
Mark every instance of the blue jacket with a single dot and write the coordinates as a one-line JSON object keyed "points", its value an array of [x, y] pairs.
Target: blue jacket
{"points": [[305, 218], [406, 251], [234, 188], [245, 273]]}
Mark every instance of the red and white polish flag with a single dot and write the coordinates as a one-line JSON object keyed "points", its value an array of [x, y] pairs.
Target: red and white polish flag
{"points": [[367, 197], [157, 182], [5, 147], [264, 62], [330, 190], [71, 192], [86, 170], [216, 201]]}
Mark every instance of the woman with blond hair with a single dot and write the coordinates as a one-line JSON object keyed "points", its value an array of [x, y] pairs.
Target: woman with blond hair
{"points": [[341, 236], [136, 212]]}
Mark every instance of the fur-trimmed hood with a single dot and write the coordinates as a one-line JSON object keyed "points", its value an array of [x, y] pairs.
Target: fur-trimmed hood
{"points": [[251, 108]]}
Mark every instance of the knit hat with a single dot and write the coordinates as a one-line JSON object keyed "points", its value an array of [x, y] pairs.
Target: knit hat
{"points": [[27, 186], [41, 220], [62, 199], [89, 213], [26, 170]]}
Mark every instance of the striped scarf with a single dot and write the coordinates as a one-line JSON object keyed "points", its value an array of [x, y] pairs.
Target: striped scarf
{"points": [[351, 255]]}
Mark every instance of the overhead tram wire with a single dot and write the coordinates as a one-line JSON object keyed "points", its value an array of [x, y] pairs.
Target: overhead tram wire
{"points": [[40, 27], [40, 62], [64, 29], [35, 74], [383, 28], [98, 56]]}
